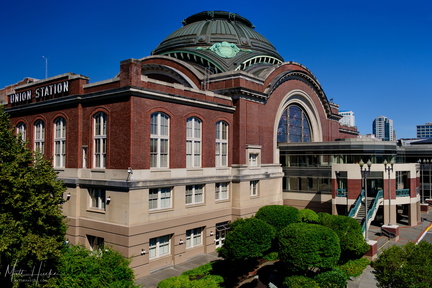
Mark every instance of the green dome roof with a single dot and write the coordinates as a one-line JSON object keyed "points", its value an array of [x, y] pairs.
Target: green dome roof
{"points": [[221, 40]]}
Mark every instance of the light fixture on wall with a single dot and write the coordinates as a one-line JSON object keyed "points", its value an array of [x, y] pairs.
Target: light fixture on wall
{"points": [[68, 196], [211, 233], [181, 242], [130, 174], [108, 199], [143, 252]]}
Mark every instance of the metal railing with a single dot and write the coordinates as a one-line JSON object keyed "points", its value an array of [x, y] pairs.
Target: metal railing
{"points": [[402, 192], [341, 193], [354, 210], [387, 233], [374, 208]]}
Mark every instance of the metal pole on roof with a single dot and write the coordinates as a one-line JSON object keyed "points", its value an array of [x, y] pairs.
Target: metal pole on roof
{"points": [[46, 66]]}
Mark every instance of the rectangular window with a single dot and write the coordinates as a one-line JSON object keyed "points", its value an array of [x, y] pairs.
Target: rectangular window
{"points": [[221, 144], [159, 246], [95, 243], [100, 135], [193, 142], [160, 198], [194, 237], [159, 140], [194, 194], [59, 143], [97, 198], [39, 142], [253, 159], [221, 192], [254, 188]]}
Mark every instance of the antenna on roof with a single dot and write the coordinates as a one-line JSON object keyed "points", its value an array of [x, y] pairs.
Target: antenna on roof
{"points": [[46, 66]]}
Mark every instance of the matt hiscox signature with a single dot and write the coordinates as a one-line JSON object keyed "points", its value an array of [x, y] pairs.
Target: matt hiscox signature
{"points": [[35, 274]]}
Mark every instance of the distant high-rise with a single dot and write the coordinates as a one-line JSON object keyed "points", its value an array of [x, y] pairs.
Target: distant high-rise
{"points": [[382, 127], [348, 118], [424, 131]]}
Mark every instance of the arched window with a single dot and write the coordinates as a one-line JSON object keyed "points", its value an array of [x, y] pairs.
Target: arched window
{"points": [[59, 142], [39, 139], [100, 140], [159, 140], [21, 131], [221, 144], [294, 126], [193, 142]]}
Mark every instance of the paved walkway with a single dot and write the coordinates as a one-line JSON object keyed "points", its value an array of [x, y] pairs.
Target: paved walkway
{"points": [[366, 280]]}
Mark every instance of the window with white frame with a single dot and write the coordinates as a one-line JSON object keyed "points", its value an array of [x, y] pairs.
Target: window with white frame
{"points": [[97, 198], [194, 237], [59, 142], [21, 131], [159, 246], [160, 198], [193, 142], [100, 140], [159, 140], [254, 188], [95, 243], [194, 194], [221, 191], [221, 144], [253, 159], [39, 139]]}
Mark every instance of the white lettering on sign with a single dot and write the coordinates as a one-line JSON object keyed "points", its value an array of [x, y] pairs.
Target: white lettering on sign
{"points": [[41, 92]]}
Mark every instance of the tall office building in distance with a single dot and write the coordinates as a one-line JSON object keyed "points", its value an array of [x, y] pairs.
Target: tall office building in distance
{"points": [[348, 118], [424, 131], [382, 127]]}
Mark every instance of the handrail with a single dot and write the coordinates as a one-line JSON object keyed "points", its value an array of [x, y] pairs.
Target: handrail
{"points": [[402, 192], [372, 212], [354, 210], [341, 192]]}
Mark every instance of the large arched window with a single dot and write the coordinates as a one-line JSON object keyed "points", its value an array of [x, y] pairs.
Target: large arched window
{"points": [[294, 126], [193, 142], [100, 140], [159, 137], [21, 131], [59, 142]]}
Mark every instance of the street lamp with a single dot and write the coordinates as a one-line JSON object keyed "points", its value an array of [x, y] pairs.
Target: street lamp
{"points": [[389, 168], [364, 173], [422, 182]]}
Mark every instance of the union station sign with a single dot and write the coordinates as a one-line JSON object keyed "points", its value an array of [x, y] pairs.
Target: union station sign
{"points": [[40, 93]]}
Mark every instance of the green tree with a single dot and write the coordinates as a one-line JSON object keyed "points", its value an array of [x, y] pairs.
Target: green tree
{"points": [[32, 227], [279, 216], [249, 239], [406, 266], [349, 231], [80, 267], [304, 247]]}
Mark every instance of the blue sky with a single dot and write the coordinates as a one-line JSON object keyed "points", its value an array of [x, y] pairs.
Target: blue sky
{"points": [[371, 57]]}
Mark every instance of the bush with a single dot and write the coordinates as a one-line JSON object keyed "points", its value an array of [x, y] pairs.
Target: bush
{"points": [[182, 281], [349, 231], [308, 216], [278, 216], [354, 268], [334, 278], [299, 282], [250, 238], [80, 267], [305, 247], [405, 266]]}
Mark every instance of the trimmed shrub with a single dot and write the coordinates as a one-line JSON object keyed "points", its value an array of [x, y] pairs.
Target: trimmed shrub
{"points": [[308, 216], [249, 239], [305, 247], [210, 281], [334, 278], [349, 231], [354, 268], [299, 282], [278, 216]]}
